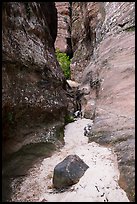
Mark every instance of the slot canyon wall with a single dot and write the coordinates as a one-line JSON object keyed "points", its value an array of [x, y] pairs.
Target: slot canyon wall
{"points": [[63, 40], [103, 42], [34, 101]]}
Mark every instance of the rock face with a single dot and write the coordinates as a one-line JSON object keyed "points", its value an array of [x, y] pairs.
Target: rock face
{"points": [[83, 34], [108, 80], [63, 40], [34, 101], [69, 171]]}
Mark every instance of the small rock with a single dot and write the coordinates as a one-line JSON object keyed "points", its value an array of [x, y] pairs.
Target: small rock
{"points": [[78, 114], [87, 129]]}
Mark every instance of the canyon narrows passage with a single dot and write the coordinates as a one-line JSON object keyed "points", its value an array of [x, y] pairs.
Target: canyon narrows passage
{"points": [[68, 87]]}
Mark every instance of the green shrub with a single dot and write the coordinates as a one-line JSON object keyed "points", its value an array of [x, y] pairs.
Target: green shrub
{"points": [[69, 119], [64, 62]]}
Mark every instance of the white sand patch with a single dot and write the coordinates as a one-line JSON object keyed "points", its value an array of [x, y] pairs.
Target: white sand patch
{"points": [[74, 133], [98, 184]]}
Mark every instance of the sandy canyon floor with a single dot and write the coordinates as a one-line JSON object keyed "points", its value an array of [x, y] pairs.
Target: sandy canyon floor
{"points": [[98, 184]]}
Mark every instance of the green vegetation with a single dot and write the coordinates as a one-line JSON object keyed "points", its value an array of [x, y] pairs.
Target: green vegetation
{"points": [[69, 119], [64, 62], [130, 29]]}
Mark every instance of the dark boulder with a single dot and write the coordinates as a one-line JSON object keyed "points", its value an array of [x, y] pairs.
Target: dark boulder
{"points": [[69, 171]]}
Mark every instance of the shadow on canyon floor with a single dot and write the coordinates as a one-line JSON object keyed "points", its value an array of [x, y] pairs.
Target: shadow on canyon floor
{"points": [[19, 163]]}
